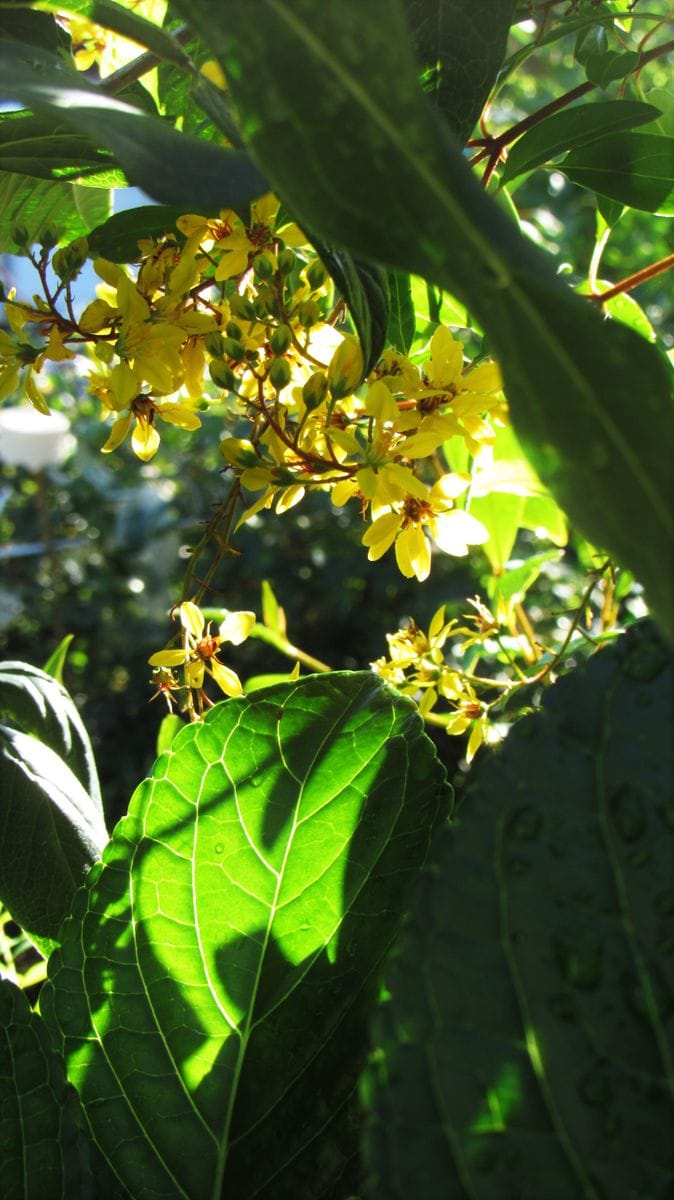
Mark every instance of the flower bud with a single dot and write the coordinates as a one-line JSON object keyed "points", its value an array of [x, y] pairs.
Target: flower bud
{"points": [[279, 373], [239, 452], [222, 375], [346, 368], [242, 307], [20, 235], [286, 261], [214, 344], [308, 313], [281, 339], [266, 303], [233, 330], [315, 390], [316, 274], [233, 349], [264, 266]]}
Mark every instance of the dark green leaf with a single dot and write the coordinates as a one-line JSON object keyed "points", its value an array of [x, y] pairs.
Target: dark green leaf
{"points": [[574, 127], [36, 28], [50, 834], [603, 69], [67, 210], [402, 320], [172, 167], [460, 46], [212, 984], [526, 1047], [359, 156], [117, 239], [37, 703], [636, 169], [42, 1144], [364, 287], [129, 24]]}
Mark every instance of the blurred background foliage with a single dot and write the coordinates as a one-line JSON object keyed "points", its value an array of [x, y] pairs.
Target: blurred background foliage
{"points": [[98, 547]]}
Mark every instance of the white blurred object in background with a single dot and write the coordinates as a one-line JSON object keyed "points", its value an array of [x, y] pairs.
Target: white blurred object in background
{"points": [[34, 441]]}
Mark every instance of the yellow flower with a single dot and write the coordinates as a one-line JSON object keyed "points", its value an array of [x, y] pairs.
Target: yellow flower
{"points": [[451, 528], [198, 654], [141, 413]]}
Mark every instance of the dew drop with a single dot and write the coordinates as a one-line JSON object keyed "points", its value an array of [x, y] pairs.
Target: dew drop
{"points": [[219, 847]]}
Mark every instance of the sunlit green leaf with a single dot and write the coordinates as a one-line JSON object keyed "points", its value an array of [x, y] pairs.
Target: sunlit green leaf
{"points": [[402, 318], [524, 1045], [65, 210], [573, 127], [212, 982], [636, 169]]}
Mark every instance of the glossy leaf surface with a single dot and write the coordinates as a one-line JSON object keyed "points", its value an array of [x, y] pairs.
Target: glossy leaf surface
{"points": [[633, 168], [41, 1147], [575, 127], [360, 156], [211, 984], [364, 287], [66, 210], [526, 1048]]}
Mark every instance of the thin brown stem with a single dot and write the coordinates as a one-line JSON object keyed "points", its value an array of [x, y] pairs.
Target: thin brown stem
{"points": [[632, 281]]}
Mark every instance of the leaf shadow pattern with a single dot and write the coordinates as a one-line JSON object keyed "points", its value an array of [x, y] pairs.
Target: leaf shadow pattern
{"points": [[210, 990]]}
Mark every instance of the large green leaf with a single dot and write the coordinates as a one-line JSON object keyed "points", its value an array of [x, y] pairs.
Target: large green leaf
{"points": [[365, 288], [344, 132], [460, 46], [526, 1048], [636, 169], [575, 127], [38, 704], [42, 1147], [212, 983], [64, 210], [174, 168]]}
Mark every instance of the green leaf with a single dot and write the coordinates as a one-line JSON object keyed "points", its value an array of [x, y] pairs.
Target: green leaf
{"points": [[515, 583], [213, 980], [273, 615], [66, 210], [169, 729], [402, 321], [604, 69], [636, 169], [346, 136], [460, 46], [37, 702], [42, 148], [36, 28], [128, 24], [574, 127], [173, 167], [57, 660], [525, 1049], [42, 1145], [364, 287], [50, 834], [117, 238]]}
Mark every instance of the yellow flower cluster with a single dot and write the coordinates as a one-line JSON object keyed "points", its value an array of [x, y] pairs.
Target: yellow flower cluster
{"points": [[199, 656], [225, 310]]}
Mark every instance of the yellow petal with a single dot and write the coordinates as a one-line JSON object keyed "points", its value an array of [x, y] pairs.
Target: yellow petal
{"points": [[192, 619], [144, 440], [413, 553], [227, 680], [236, 627], [168, 658], [118, 432], [381, 535]]}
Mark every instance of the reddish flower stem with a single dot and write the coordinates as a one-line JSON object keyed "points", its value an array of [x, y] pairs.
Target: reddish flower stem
{"points": [[632, 281]]}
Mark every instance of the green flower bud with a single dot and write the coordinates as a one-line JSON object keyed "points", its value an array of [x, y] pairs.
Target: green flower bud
{"points": [[308, 313], [279, 373], [264, 266], [346, 368], [214, 343], [222, 375], [239, 452], [266, 303], [316, 274], [286, 261], [48, 239], [315, 390], [233, 349], [233, 330], [281, 339], [20, 235], [242, 307], [68, 262]]}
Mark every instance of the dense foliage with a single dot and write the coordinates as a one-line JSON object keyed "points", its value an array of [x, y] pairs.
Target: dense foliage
{"points": [[390, 310]]}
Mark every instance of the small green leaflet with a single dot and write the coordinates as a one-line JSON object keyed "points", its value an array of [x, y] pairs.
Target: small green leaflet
{"points": [[636, 169]]}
